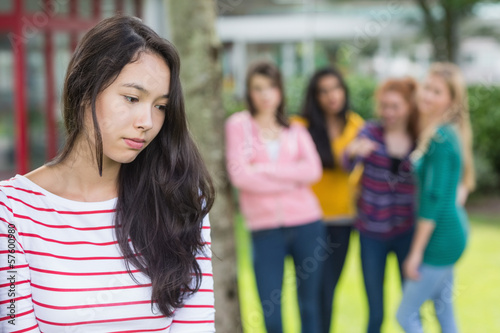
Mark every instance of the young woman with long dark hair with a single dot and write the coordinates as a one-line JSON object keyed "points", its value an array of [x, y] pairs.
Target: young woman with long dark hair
{"points": [[113, 234], [326, 114], [386, 204], [273, 163]]}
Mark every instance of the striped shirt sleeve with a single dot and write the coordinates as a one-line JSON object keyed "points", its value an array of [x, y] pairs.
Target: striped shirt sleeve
{"points": [[16, 306], [198, 312]]}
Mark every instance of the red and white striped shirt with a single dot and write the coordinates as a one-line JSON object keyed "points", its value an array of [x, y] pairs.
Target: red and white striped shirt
{"points": [[67, 273]]}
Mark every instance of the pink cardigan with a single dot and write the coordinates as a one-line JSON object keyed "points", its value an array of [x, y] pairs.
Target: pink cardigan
{"points": [[276, 193]]}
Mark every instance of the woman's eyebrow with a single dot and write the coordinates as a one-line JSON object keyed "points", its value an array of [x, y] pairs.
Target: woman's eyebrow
{"points": [[141, 88]]}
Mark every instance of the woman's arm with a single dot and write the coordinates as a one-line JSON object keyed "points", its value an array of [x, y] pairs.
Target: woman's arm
{"points": [[359, 149], [198, 312], [422, 235], [16, 306], [462, 194], [242, 173]]}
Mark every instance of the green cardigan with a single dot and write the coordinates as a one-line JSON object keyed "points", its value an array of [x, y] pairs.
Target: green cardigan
{"points": [[439, 173]]}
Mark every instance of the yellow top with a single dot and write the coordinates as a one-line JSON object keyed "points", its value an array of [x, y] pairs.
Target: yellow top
{"points": [[334, 189]]}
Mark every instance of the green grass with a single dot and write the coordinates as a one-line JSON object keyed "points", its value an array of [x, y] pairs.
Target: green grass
{"points": [[477, 291]]}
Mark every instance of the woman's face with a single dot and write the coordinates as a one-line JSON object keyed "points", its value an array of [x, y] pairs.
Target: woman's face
{"points": [[434, 96], [331, 95], [131, 111], [265, 94], [394, 109]]}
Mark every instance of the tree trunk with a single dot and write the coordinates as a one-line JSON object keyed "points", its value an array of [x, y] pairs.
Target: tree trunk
{"points": [[451, 18], [193, 33]]}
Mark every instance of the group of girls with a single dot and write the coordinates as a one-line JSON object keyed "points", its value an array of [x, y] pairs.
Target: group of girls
{"points": [[113, 234], [400, 180]]}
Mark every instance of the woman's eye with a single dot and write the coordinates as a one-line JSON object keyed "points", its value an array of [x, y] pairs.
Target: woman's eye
{"points": [[162, 107], [131, 99]]}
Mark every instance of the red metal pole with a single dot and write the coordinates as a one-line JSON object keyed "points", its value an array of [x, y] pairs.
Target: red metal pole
{"points": [[73, 14], [20, 95], [96, 10]]}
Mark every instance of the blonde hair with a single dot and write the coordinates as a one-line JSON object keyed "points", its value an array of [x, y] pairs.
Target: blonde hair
{"points": [[458, 115]]}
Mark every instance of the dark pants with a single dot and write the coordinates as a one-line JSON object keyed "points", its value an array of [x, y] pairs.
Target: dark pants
{"points": [[373, 260], [306, 244], [338, 240]]}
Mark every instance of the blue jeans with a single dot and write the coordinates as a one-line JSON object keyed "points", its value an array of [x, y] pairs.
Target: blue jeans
{"points": [[436, 284], [373, 261], [338, 239], [307, 246]]}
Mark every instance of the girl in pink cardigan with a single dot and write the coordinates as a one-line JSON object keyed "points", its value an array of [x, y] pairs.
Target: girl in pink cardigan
{"points": [[273, 164]]}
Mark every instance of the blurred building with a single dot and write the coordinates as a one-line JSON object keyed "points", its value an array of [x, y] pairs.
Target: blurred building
{"points": [[372, 38], [37, 38]]}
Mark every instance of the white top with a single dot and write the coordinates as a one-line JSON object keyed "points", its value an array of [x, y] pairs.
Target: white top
{"points": [[70, 275], [273, 149]]}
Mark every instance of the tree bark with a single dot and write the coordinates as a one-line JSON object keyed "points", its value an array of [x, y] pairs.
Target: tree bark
{"points": [[193, 33], [443, 32], [451, 18]]}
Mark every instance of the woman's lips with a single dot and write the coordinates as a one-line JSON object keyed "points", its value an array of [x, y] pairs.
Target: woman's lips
{"points": [[134, 143]]}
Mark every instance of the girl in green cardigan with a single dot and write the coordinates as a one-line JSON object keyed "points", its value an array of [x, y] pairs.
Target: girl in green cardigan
{"points": [[444, 168]]}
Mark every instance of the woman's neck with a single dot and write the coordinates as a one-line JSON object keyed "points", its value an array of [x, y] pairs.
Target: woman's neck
{"points": [[396, 128], [266, 120], [77, 177], [428, 121], [334, 125]]}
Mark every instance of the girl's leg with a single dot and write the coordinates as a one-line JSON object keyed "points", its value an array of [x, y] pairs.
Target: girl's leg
{"points": [[373, 260], [443, 304], [415, 293], [338, 241], [401, 247], [307, 249], [269, 251]]}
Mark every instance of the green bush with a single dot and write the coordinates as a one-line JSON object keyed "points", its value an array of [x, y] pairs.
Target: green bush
{"points": [[484, 104], [361, 91]]}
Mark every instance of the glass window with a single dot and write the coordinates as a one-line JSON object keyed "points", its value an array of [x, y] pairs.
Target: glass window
{"points": [[129, 7], [6, 6], [7, 126], [107, 8], [85, 9], [33, 5], [35, 71], [62, 7], [62, 55]]}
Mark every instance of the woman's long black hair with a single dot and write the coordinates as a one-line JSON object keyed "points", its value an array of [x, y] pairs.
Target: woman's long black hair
{"points": [[312, 112], [165, 193]]}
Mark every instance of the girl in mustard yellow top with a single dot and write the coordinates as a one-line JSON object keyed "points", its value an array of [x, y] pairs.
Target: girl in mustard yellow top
{"points": [[332, 126]]}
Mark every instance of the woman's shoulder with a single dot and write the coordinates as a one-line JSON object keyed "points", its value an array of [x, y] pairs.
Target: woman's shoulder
{"points": [[298, 120], [239, 117], [372, 128], [445, 134], [13, 190], [354, 119], [15, 186]]}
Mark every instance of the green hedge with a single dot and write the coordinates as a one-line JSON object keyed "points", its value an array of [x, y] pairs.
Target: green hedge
{"points": [[484, 104]]}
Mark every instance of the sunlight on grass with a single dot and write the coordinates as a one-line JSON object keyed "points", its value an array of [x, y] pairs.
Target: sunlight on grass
{"points": [[476, 293]]}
